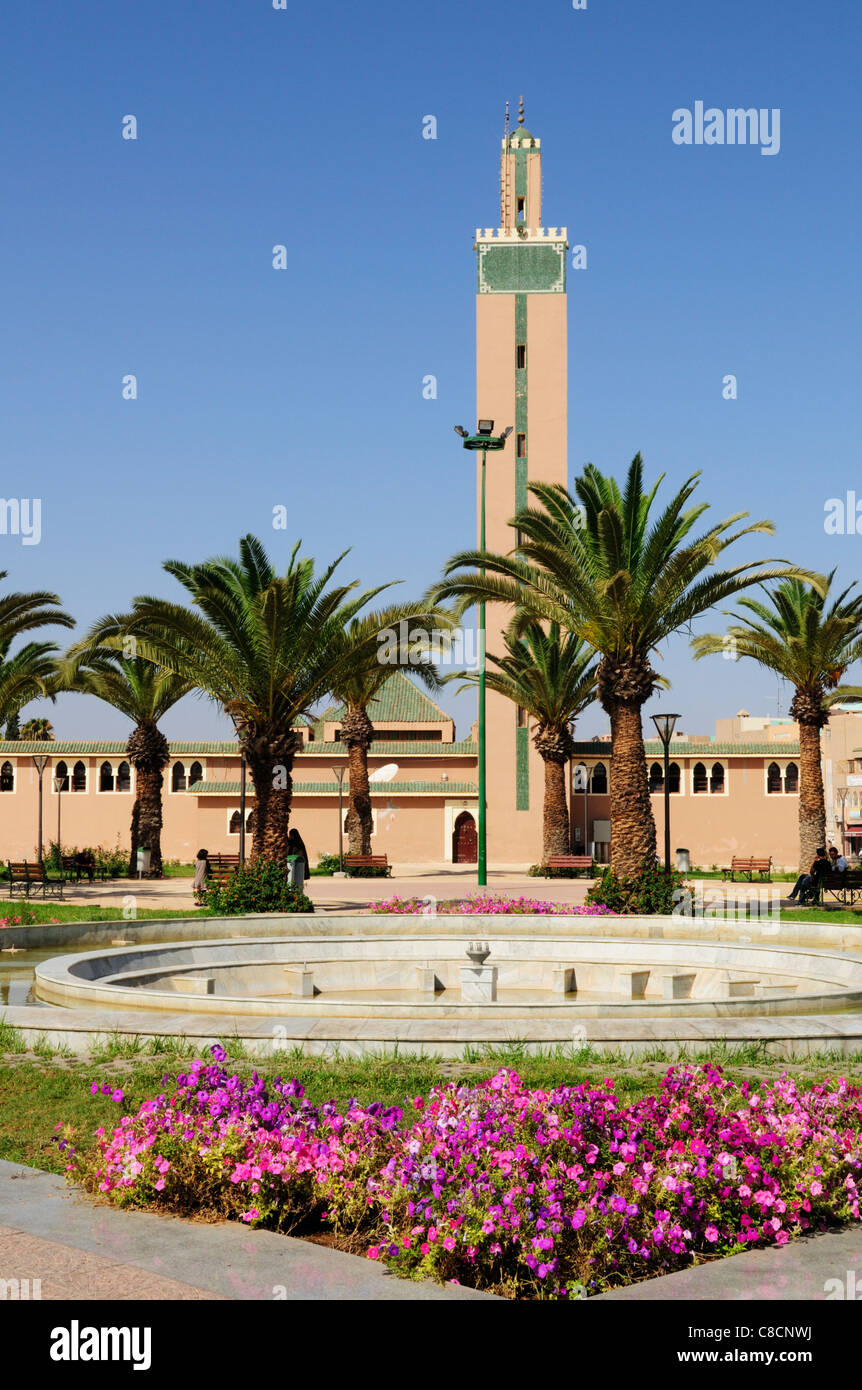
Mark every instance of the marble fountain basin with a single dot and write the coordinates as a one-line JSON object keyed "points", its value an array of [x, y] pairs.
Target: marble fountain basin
{"points": [[424, 974]]}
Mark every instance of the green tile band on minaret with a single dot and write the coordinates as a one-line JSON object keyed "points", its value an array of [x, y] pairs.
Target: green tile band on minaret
{"points": [[521, 403]]}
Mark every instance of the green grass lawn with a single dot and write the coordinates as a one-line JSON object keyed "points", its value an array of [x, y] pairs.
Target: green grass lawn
{"points": [[39, 1090], [89, 912]]}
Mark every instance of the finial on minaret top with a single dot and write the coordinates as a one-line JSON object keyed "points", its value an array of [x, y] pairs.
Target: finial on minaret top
{"points": [[507, 121], [521, 111]]}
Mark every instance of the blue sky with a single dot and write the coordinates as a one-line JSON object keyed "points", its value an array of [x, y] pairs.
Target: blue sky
{"points": [[303, 387]]}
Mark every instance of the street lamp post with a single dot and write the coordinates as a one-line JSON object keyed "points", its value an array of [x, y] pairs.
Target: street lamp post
{"points": [[842, 797], [40, 761], [665, 724], [482, 441], [239, 723], [58, 787], [338, 773]]}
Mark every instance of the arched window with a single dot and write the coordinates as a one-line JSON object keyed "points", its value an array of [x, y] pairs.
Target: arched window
{"points": [[791, 778], [716, 780], [124, 778], [178, 777], [699, 780], [656, 777], [249, 823], [79, 777], [600, 780], [61, 775], [7, 778], [196, 774], [773, 779], [673, 779], [106, 778], [235, 823]]}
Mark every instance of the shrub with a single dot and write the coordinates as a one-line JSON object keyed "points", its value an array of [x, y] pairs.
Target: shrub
{"points": [[653, 889], [367, 871], [328, 864], [261, 886]]}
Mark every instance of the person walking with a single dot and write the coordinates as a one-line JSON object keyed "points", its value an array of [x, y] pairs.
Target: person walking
{"points": [[295, 845], [202, 873]]}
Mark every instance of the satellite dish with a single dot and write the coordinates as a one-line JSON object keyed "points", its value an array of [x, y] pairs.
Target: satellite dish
{"points": [[384, 773]]}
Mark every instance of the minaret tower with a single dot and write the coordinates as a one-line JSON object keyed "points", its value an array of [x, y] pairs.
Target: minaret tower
{"points": [[521, 372]]}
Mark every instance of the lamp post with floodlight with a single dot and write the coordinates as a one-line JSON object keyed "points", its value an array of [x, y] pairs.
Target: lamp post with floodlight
{"points": [[483, 441], [665, 724]]}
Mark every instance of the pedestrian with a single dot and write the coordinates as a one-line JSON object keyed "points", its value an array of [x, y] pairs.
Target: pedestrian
{"points": [[203, 870], [807, 885], [295, 845]]}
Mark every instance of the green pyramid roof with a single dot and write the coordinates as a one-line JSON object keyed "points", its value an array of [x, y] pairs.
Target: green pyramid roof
{"points": [[398, 702]]}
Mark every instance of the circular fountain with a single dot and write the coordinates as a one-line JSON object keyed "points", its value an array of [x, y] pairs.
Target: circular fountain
{"points": [[407, 981]]}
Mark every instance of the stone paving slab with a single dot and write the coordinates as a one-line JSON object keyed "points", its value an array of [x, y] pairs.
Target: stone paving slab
{"points": [[64, 1272], [40, 1217], [799, 1270]]}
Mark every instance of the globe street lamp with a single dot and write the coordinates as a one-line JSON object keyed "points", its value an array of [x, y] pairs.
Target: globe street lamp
{"points": [[665, 724], [482, 441], [40, 762]]}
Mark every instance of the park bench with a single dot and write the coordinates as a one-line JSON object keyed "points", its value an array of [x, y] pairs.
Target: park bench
{"points": [[222, 866], [747, 868], [20, 878], [80, 864], [846, 887], [51, 887], [368, 861], [571, 861]]}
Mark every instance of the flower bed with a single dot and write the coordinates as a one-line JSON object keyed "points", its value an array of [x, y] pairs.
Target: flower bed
{"points": [[492, 905], [531, 1194]]}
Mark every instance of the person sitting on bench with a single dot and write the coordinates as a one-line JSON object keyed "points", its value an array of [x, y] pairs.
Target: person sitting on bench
{"points": [[807, 884], [837, 862]]}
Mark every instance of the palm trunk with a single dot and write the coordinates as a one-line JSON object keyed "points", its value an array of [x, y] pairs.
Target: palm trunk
{"points": [[149, 818], [555, 828], [269, 754], [812, 803], [148, 753], [357, 732], [633, 839]]}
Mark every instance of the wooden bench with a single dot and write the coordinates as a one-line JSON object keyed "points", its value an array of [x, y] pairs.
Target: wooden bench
{"points": [[221, 867], [747, 868], [20, 878], [845, 887], [571, 861], [368, 861]]}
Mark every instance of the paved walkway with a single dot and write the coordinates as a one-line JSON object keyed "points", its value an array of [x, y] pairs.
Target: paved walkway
{"points": [[80, 1250], [407, 881]]}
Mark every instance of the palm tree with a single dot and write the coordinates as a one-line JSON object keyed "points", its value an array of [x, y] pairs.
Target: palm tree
{"points": [[143, 693], [27, 674], [551, 675], [363, 673], [264, 646], [40, 730], [811, 646], [605, 567]]}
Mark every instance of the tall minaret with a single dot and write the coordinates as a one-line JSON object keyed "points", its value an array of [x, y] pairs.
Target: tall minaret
{"points": [[521, 373]]}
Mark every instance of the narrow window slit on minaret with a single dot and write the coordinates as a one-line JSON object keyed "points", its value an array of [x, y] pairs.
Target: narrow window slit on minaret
{"points": [[521, 356], [522, 446]]}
